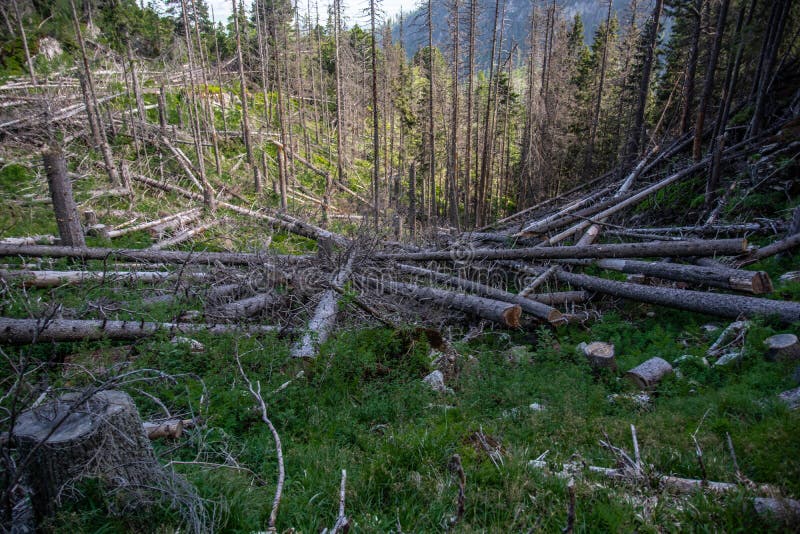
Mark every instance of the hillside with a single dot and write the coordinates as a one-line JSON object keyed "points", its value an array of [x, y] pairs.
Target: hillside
{"points": [[516, 27]]}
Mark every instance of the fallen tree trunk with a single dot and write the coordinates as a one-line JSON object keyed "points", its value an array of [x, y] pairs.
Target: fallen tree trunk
{"points": [[723, 247], [531, 306], [627, 201], [718, 304], [756, 282], [593, 231], [152, 224], [676, 484], [708, 229], [648, 374], [322, 322], [43, 279], [247, 307], [560, 298], [185, 235], [31, 240], [564, 216], [500, 312], [777, 247], [145, 255], [19, 331], [282, 221]]}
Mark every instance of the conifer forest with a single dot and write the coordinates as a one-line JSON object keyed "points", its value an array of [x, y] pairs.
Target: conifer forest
{"points": [[341, 266]]}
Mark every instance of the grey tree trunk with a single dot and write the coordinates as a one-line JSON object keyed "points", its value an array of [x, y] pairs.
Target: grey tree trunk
{"points": [[500, 312], [66, 212], [717, 304], [528, 305], [699, 247], [24, 331]]}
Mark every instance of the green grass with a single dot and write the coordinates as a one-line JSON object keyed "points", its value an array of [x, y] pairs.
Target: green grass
{"points": [[361, 406]]}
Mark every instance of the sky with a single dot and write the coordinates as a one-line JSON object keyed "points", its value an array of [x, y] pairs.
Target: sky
{"points": [[354, 9]]}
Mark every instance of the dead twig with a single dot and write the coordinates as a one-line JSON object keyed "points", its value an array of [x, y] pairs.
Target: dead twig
{"points": [[256, 393], [457, 469]]}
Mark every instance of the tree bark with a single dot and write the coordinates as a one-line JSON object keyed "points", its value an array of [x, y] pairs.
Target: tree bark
{"points": [[531, 306], [717, 304], [24, 331], [43, 279], [142, 255], [76, 437], [320, 325], [723, 247], [756, 282], [248, 307], [503, 313], [600, 355], [782, 347], [648, 374], [66, 211]]}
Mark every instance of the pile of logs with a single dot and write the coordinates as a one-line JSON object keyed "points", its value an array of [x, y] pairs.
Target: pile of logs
{"points": [[521, 271]]}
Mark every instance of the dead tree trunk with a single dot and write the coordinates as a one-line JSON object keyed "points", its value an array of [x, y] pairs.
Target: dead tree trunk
{"points": [[43, 279], [698, 247], [697, 301], [81, 436], [283, 221], [756, 282], [23, 331], [91, 103], [67, 218], [500, 312], [24, 37], [322, 322], [648, 374], [708, 84], [143, 255], [531, 306], [247, 307]]}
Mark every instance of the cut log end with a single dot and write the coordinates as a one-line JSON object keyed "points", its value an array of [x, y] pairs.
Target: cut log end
{"points": [[647, 375], [512, 315]]}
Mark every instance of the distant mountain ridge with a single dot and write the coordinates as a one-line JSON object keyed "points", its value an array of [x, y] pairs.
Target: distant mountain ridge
{"points": [[517, 16]]}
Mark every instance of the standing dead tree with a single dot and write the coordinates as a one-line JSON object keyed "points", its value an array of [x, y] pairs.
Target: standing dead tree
{"points": [[66, 212]]}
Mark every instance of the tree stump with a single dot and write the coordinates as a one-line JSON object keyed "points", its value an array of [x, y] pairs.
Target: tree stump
{"points": [[648, 374], [600, 355], [103, 438], [782, 347]]}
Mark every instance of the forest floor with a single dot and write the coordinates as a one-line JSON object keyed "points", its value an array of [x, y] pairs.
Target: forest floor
{"points": [[362, 406]]}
